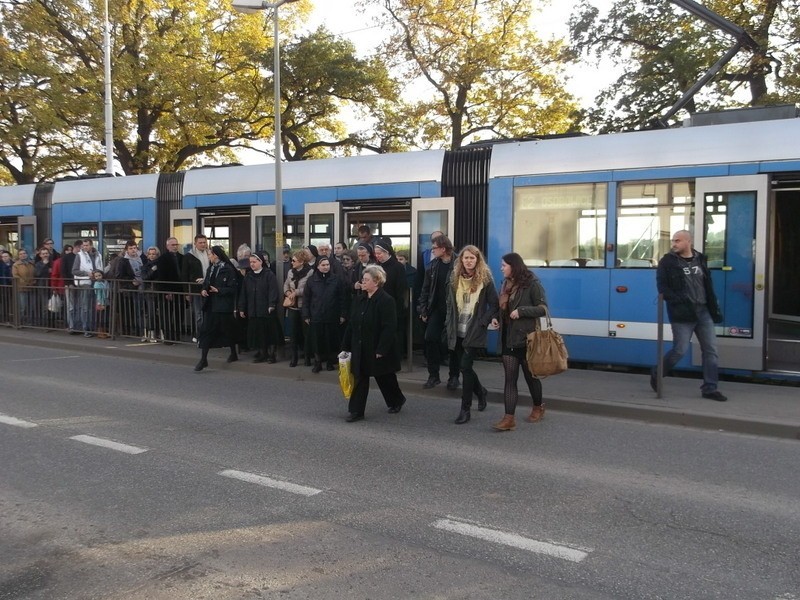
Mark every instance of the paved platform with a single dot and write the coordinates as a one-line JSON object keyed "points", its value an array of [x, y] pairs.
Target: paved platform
{"points": [[752, 408]]}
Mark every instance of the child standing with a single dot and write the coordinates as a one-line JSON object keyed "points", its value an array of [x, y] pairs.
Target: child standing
{"points": [[101, 302]]}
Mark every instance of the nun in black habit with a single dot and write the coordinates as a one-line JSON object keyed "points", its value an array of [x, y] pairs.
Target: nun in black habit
{"points": [[219, 305]]}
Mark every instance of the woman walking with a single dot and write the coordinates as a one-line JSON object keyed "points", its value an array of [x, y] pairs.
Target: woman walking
{"points": [[522, 303], [472, 306], [370, 337], [323, 311], [258, 302], [294, 287], [219, 304]]}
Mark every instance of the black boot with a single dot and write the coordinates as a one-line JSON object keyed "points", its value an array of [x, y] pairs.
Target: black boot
{"points": [[463, 417], [317, 366], [233, 357], [482, 394], [293, 362], [271, 355], [203, 361]]}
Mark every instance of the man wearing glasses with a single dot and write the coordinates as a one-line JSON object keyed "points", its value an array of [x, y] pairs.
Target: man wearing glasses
{"points": [[432, 309]]}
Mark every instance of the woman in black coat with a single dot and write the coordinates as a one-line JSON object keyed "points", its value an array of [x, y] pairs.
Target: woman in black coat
{"points": [[324, 310], [370, 337], [219, 305], [258, 302]]}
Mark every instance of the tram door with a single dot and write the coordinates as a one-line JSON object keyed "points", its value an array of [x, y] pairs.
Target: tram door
{"points": [[322, 223], [26, 234], [429, 215], [183, 225], [733, 209]]}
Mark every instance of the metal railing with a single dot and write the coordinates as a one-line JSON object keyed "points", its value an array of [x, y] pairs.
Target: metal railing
{"points": [[150, 312]]}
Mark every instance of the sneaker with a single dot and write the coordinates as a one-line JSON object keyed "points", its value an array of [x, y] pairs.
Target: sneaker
{"points": [[452, 383], [431, 383], [715, 395]]}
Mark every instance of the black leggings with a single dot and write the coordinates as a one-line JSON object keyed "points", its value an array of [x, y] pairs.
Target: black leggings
{"points": [[513, 358]]}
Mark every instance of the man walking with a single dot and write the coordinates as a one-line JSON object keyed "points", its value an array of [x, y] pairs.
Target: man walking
{"points": [[685, 281], [432, 309]]}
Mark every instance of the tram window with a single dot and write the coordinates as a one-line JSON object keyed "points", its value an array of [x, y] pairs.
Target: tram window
{"points": [[321, 226], [116, 234], [560, 225], [714, 224], [648, 213], [294, 231], [73, 231]]}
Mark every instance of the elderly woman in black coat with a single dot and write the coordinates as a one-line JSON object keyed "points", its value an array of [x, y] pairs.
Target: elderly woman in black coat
{"points": [[258, 302], [219, 304], [324, 310], [370, 337]]}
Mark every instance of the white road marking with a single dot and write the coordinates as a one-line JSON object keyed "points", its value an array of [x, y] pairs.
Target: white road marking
{"points": [[269, 482], [43, 358], [16, 422], [513, 540], [96, 441]]}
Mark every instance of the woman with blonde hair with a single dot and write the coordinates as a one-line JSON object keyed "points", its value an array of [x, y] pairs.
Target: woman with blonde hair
{"points": [[294, 286], [472, 305]]}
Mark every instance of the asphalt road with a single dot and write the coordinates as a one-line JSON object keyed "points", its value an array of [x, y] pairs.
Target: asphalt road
{"points": [[129, 479]]}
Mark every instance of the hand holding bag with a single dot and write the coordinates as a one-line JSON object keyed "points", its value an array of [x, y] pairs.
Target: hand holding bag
{"points": [[288, 300], [546, 352]]}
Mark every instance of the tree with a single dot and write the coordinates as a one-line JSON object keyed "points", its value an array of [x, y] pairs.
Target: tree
{"points": [[484, 70], [663, 50], [322, 83], [186, 81]]}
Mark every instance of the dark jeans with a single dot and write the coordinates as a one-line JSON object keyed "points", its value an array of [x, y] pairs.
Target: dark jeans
{"points": [[465, 358], [433, 346], [388, 385]]}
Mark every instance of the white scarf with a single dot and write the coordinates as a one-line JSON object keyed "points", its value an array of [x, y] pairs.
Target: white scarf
{"points": [[201, 256]]}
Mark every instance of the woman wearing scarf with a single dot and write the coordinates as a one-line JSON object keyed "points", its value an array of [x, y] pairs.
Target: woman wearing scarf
{"points": [[472, 305], [258, 301], [323, 311], [219, 293], [294, 287], [522, 302], [129, 276]]}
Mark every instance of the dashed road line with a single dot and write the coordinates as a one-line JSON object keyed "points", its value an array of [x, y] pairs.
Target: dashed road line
{"points": [[39, 358], [104, 443], [16, 422], [514, 540], [269, 482]]}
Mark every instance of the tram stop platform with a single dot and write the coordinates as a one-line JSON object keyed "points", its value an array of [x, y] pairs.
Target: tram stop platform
{"points": [[752, 408]]}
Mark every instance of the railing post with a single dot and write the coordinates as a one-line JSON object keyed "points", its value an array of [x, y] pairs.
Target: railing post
{"points": [[660, 347], [410, 331]]}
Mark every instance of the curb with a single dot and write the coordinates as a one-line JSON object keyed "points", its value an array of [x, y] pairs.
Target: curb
{"points": [[648, 414]]}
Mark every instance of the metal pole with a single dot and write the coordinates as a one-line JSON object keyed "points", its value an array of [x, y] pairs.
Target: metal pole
{"points": [[278, 258], [109, 126]]}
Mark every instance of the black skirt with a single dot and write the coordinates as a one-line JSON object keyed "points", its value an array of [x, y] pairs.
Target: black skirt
{"points": [[264, 331]]}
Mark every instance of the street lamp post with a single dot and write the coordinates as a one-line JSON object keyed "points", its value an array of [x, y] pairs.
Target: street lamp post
{"points": [[109, 123], [249, 6]]}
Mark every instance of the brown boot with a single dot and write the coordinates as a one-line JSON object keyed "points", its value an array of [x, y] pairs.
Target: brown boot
{"points": [[537, 414], [507, 423]]}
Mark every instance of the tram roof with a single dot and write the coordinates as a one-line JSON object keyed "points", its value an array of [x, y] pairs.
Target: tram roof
{"points": [[714, 144], [112, 188], [329, 172], [17, 195]]}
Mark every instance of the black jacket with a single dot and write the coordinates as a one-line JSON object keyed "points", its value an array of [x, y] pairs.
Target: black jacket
{"points": [[672, 283], [371, 330], [323, 298], [227, 282], [168, 273], [192, 271], [396, 285], [430, 286], [67, 262], [259, 293], [529, 301], [486, 309]]}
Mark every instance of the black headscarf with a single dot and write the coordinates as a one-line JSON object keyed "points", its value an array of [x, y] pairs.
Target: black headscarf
{"points": [[219, 252], [313, 249], [321, 260]]}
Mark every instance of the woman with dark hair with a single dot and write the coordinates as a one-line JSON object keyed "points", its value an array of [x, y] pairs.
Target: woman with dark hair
{"points": [[323, 311], [294, 286], [471, 308], [522, 303], [219, 304], [370, 336], [258, 301]]}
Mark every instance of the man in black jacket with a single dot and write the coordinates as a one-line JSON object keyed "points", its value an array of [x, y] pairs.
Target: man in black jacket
{"points": [[168, 277], [685, 281], [432, 309]]}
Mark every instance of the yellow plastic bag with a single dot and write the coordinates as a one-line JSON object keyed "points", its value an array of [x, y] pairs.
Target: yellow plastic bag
{"points": [[346, 378]]}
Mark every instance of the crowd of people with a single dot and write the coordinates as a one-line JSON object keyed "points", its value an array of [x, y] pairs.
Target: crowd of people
{"points": [[337, 303]]}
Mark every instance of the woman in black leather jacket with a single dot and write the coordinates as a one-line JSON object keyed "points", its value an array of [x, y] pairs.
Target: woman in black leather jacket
{"points": [[522, 303]]}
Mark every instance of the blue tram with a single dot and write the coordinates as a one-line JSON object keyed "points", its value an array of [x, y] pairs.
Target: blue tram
{"points": [[591, 214]]}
